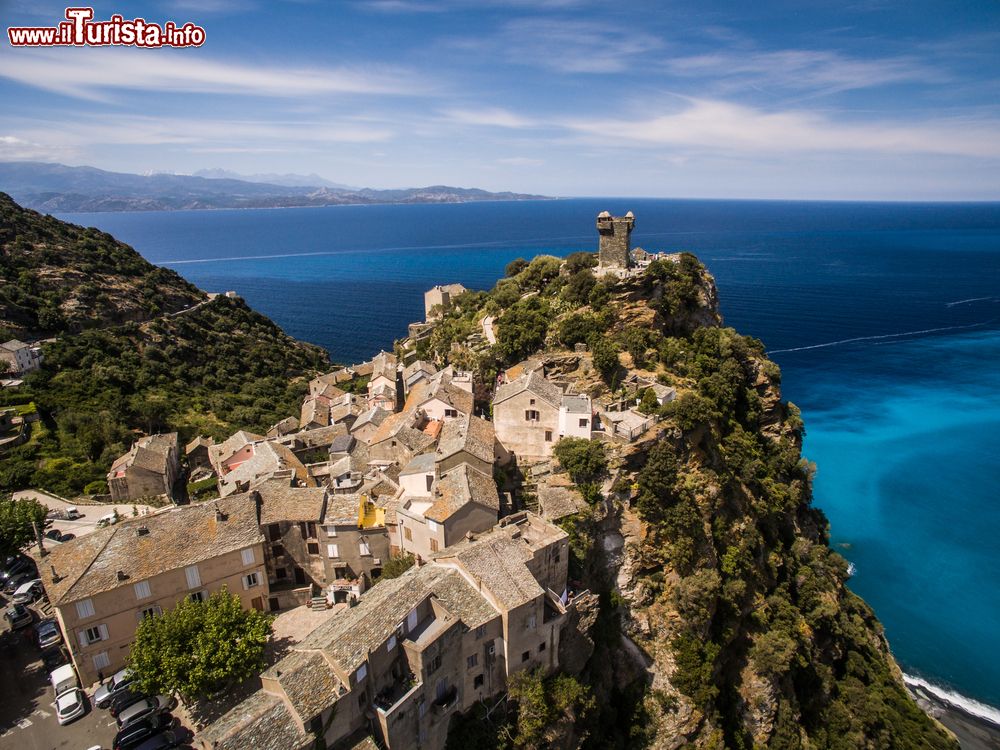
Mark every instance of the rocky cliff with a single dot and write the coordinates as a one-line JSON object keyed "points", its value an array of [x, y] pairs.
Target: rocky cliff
{"points": [[725, 620]]}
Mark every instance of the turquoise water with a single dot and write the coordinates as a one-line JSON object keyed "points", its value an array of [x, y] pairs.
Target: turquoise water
{"points": [[883, 317]]}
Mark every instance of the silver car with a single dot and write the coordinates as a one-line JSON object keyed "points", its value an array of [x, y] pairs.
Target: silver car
{"points": [[146, 708], [119, 681]]}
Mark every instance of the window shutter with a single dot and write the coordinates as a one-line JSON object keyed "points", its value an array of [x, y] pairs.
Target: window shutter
{"points": [[193, 577], [85, 609], [82, 637], [248, 558], [246, 582], [103, 630], [411, 620], [332, 551], [142, 590], [392, 643]]}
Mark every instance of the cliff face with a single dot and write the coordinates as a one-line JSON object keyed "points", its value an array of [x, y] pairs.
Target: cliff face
{"points": [[61, 277], [724, 618]]}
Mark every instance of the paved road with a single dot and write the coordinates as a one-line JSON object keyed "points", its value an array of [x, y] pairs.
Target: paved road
{"points": [[90, 513]]}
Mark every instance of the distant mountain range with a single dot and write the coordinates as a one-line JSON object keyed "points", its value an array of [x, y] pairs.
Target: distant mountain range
{"points": [[286, 180], [58, 188]]}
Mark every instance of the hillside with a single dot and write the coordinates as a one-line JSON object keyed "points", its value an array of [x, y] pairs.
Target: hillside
{"points": [[60, 277], [58, 188], [213, 369], [725, 619]]}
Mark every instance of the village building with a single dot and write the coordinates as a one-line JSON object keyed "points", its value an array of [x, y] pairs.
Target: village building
{"points": [[469, 440], [259, 462], [149, 469], [101, 585], [437, 301], [575, 417], [197, 453], [232, 451], [315, 413], [354, 542], [416, 649], [283, 427], [446, 395], [20, 358], [368, 422], [384, 385], [526, 415], [401, 437], [416, 372]]}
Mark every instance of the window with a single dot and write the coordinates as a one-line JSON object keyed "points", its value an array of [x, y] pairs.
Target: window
{"points": [[247, 555], [480, 631], [85, 609], [531, 401], [548, 436], [332, 550], [531, 622], [430, 482], [450, 412], [364, 549], [531, 415], [478, 681], [584, 422], [362, 673], [541, 647], [471, 661], [198, 596], [149, 612], [411, 620], [525, 656], [193, 576], [281, 572], [407, 534], [251, 581], [434, 545], [312, 548], [101, 660], [274, 532], [331, 531], [303, 529], [142, 590], [434, 665], [432, 525], [278, 550], [311, 528], [93, 635], [391, 644]]}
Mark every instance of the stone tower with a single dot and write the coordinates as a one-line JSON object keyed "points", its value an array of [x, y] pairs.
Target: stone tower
{"points": [[615, 246]]}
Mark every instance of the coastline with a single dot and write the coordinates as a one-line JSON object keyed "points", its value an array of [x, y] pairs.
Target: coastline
{"points": [[976, 725]]}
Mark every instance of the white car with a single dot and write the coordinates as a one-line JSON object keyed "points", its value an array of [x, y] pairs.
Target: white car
{"points": [[70, 705]]}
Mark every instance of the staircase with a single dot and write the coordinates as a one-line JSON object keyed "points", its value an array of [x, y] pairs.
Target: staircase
{"points": [[318, 604]]}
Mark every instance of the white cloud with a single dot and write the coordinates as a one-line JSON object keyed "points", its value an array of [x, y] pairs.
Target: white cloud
{"points": [[91, 73], [728, 128], [520, 161], [491, 117]]}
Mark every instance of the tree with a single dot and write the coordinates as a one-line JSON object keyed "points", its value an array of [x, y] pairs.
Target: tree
{"points": [[515, 267], [578, 261], [199, 648], [605, 355], [583, 459], [18, 519], [579, 286], [395, 566]]}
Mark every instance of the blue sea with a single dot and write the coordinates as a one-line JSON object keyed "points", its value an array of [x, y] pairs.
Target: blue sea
{"points": [[885, 319]]}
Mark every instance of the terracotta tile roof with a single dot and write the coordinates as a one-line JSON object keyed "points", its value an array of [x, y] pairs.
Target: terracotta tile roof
{"points": [[460, 487], [308, 681], [177, 537], [262, 722], [470, 434], [282, 502], [534, 382]]}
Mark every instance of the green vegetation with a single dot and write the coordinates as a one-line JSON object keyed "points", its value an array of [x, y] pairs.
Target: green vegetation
{"points": [[394, 567], [584, 460], [57, 277], [199, 649], [20, 522]]}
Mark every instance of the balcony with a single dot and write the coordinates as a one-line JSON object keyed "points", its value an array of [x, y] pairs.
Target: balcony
{"points": [[445, 701], [392, 698]]}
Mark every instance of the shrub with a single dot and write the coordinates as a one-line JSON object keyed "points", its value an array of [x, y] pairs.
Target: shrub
{"points": [[584, 460]]}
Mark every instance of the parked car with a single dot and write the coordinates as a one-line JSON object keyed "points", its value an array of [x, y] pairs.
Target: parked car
{"points": [[28, 591], [72, 513], [125, 699], [21, 566], [18, 616], [63, 678], [53, 658], [145, 708], [118, 684], [67, 537], [47, 633], [15, 582], [165, 739], [53, 534], [138, 732], [70, 705]]}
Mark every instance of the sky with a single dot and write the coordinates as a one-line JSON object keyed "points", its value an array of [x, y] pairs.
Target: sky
{"points": [[863, 99]]}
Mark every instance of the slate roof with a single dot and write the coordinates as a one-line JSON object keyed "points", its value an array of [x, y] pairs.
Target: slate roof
{"points": [[308, 681], [384, 365], [473, 435], [348, 637], [441, 388], [151, 452], [558, 498], [198, 442], [229, 446], [376, 416], [320, 437], [576, 404], [342, 443], [534, 382], [283, 427], [417, 370], [422, 464], [458, 488], [398, 427], [269, 457], [282, 502], [261, 722], [342, 510], [177, 537], [315, 411]]}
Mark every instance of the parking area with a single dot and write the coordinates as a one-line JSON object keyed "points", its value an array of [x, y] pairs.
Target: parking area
{"points": [[89, 514], [27, 705]]}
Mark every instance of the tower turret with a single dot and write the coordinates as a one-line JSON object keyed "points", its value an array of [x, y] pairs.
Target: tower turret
{"points": [[614, 249]]}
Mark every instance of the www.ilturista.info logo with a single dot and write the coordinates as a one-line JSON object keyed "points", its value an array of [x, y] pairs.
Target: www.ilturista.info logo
{"points": [[80, 30]]}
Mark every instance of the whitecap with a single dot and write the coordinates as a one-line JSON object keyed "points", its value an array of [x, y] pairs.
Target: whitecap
{"points": [[954, 700]]}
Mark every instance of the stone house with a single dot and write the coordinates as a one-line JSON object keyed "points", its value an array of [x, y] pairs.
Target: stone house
{"points": [[401, 437], [20, 358], [575, 417], [315, 412], [447, 395], [469, 440], [416, 649], [526, 415], [150, 468], [262, 461], [416, 372], [197, 453], [384, 385], [437, 301], [355, 544], [101, 585], [368, 422], [232, 451]]}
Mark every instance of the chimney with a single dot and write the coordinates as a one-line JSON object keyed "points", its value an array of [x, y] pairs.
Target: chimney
{"points": [[55, 576], [219, 515], [122, 575], [142, 531]]}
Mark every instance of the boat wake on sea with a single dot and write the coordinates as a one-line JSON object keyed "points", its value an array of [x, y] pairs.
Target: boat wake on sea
{"points": [[881, 337]]}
